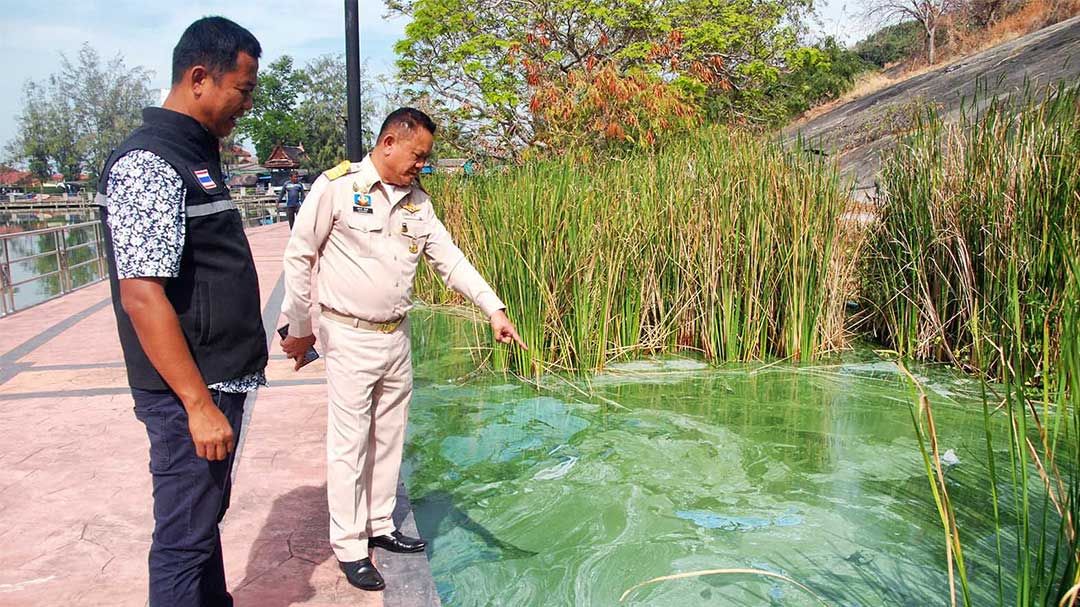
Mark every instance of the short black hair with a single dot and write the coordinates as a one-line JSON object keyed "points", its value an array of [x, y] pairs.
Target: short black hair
{"points": [[214, 42], [408, 117]]}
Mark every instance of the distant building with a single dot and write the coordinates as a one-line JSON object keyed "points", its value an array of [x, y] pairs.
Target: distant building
{"points": [[11, 179], [70, 185], [240, 156], [285, 157], [60, 178]]}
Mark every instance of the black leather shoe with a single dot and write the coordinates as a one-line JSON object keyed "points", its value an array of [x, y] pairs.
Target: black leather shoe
{"points": [[396, 542], [363, 575]]}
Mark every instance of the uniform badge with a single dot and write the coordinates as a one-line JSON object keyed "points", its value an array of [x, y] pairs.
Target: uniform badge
{"points": [[207, 182], [404, 228], [413, 248], [410, 207], [362, 204]]}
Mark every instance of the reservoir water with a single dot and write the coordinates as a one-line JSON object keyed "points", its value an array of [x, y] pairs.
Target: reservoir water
{"points": [[573, 493]]}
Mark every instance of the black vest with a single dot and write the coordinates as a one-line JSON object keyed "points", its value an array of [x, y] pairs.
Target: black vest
{"points": [[216, 294]]}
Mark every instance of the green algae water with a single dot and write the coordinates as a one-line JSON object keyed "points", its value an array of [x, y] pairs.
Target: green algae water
{"points": [[571, 494]]}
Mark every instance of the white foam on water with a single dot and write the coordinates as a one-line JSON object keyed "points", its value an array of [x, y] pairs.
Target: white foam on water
{"points": [[657, 365], [882, 366], [557, 471]]}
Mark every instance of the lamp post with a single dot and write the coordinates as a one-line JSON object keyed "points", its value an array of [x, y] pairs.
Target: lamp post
{"points": [[354, 125]]}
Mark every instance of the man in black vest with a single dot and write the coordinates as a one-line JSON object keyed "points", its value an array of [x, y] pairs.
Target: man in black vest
{"points": [[186, 298]]}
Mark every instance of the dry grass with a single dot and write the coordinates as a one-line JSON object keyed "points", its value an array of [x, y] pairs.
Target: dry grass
{"points": [[866, 83], [1032, 17], [962, 204], [726, 572]]}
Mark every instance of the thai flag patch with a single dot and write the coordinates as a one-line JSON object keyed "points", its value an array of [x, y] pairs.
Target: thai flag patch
{"points": [[205, 180]]}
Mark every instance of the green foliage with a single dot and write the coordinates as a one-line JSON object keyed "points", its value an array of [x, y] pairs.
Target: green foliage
{"points": [[306, 106], [70, 122], [272, 118], [815, 74], [481, 61], [892, 43], [44, 139], [322, 110]]}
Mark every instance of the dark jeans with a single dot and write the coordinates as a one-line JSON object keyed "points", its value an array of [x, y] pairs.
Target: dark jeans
{"points": [[191, 495], [290, 213]]}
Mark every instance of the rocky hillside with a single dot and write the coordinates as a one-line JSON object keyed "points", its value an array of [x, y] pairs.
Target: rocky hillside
{"points": [[857, 131]]}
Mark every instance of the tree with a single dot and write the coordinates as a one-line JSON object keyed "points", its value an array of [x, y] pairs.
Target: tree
{"points": [[815, 74], [600, 109], [324, 108], [927, 13], [984, 13], [229, 158], [891, 43], [71, 122], [107, 103], [304, 105], [272, 118], [35, 143], [481, 60]]}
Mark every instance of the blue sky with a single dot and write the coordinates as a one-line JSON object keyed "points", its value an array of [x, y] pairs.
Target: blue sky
{"points": [[34, 34]]}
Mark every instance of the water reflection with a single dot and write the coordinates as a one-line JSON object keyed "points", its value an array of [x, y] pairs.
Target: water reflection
{"points": [[39, 265]]}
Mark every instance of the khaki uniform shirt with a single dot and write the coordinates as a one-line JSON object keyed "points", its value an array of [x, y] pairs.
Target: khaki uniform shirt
{"points": [[367, 237]]}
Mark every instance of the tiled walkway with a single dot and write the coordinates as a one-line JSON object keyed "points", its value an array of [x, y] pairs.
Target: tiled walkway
{"points": [[75, 501]]}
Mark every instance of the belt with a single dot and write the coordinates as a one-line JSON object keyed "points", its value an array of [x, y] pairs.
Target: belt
{"points": [[359, 323]]}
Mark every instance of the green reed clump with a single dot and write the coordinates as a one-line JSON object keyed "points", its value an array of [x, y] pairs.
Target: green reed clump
{"points": [[963, 203], [1032, 464], [976, 262], [723, 243]]}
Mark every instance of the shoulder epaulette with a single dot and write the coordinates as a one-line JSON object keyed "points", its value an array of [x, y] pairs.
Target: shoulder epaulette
{"points": [[338, 171]]}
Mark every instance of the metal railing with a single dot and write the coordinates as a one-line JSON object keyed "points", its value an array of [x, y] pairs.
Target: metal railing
{"points": [[56, 270], [52, 260], [256, 210], [82, 203]]}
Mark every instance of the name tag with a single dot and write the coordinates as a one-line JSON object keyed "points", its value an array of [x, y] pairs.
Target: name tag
{"points": [[362, 204]]}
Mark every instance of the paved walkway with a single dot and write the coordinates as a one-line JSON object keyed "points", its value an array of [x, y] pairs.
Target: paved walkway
{"points": [[75, 492]]}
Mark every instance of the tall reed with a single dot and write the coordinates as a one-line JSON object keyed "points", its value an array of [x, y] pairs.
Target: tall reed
{"points": [[977, 261], [962, 203], [724, 244]]}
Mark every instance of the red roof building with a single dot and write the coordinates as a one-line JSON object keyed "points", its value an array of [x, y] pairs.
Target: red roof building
{"points": [[241, 156], [13, 178], [285, 157]]}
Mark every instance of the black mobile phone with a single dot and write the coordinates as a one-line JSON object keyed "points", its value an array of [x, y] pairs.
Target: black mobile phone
{"points": [[309, 356]]}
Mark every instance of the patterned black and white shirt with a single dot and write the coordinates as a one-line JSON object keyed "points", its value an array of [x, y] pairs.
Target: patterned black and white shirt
{"points": [[147, 220]]}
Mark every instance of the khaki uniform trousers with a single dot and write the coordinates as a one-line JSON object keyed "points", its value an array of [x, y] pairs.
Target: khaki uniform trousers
{"points": [[370, 381]]}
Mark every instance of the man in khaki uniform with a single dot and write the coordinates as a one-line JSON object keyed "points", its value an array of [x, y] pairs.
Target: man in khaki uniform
{"points": [[366, 225]]}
